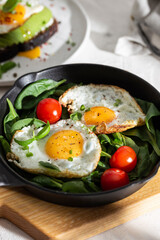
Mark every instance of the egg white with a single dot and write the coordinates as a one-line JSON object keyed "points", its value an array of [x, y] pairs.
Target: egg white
{"points": [[128, 113], [82, 165]]}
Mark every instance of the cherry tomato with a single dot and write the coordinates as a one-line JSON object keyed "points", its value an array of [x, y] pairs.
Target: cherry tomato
{"points": [[49, 109], [114, 178], [124, 158]]}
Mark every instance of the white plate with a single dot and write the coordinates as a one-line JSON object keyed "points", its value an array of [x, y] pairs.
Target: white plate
{"points": [[72, 22]]}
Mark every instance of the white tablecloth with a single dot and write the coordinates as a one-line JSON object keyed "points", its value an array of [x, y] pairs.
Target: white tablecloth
{"points": [[111, 20]]}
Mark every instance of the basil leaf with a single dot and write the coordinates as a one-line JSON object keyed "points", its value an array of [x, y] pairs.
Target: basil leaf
{"points": [[49, 165], [47, 181], [34, 90], [43, 132], [26, 122], [74, 187], [70, 159], [9, 120], [5, 144], [24, 143], [10, 5], [76, 116]]}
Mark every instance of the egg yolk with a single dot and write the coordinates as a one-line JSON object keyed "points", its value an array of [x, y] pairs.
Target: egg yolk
{"points": [[97, 115], [15, 18], [64, 144], [32, 54]]}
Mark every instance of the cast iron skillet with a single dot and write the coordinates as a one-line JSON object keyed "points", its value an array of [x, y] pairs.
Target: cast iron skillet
{"points": [[86, 73]]}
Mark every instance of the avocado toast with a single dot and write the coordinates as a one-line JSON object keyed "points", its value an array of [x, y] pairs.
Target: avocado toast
{"points": [[23, 26]]}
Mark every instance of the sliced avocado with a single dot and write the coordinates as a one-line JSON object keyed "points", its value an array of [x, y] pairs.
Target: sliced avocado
{"points": [[28, 30]]}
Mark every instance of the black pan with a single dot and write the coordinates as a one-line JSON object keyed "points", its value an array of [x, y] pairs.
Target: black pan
{"points": [[86, 73]]}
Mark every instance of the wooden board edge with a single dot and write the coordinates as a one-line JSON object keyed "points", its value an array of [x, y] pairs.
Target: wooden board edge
{"points": [[119, 217]]}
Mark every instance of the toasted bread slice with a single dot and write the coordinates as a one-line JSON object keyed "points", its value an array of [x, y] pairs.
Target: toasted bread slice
{"points": [[10, 52]]}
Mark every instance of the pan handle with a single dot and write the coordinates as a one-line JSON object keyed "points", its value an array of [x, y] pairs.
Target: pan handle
{"points": [[6, 179]]}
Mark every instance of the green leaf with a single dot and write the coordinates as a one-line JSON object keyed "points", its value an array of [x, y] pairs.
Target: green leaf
{"points": [[93, 128], [9, 120], [5, 144], [70, 159], [43, 132], [129, 142], [26, 122], [49, 165], [144, 135], [145, 163], [76, 116], [34, 90], [6, 67], [151, 111], [117, 102], [104, 154], [104, 138], [82, 107], [74, 187], [47, 181], [29, 154], [61, 89], [10, 5], [24, 143]]}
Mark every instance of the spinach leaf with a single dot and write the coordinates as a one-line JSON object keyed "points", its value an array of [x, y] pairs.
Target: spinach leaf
{"points": [[26, 122], [47, 181], [60, 90], [76, 186], [31, 102], [5, 144], [49, 165], [144, 135], [9, 120], [145, 163], [151, 111], [34, 90]]}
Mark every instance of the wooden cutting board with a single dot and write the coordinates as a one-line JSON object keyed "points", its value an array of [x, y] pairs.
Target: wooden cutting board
{"points": [[43, 220]]}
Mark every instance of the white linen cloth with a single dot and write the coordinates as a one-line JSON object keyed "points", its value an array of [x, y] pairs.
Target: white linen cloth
{"points": [[114, 41]]}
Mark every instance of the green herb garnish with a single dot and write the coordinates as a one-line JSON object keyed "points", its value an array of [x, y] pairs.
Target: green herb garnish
{"points": [[82, 108], [70, 159], [117, 102], [29, 154], [10, 5], [70, 151], [76, 116], [6, 67]]}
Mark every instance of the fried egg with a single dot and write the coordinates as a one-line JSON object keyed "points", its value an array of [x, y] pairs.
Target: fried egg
{"points": [[109, 108], [70, 146], [12, 20]]}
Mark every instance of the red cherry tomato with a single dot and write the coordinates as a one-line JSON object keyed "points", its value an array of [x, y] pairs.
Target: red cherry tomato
{"points": [[49, 109], [124, 158], [114, 178]]}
